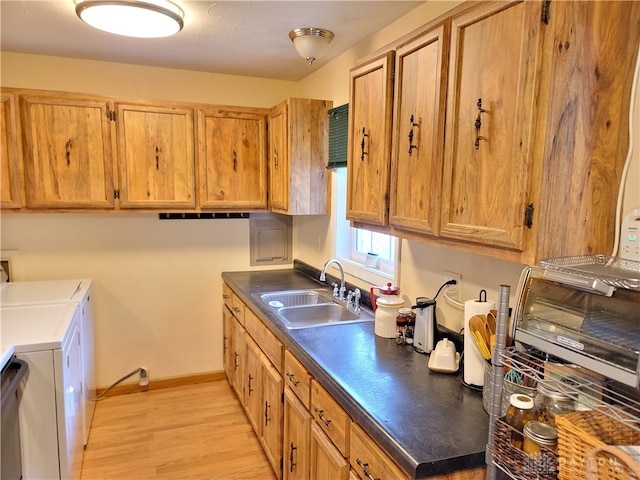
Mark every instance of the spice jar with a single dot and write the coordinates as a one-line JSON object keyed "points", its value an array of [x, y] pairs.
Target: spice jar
{"points": [[520, 412], [550, 401], [410, 319], [538, 435], [401, 325]]}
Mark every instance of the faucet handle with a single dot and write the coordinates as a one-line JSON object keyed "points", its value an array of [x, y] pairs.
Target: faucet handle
{"points": [[356, 303], [335, 289]]}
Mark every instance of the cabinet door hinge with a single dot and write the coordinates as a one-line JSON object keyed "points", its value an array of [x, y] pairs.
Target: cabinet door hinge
{"points": [[111, 115], [116, 193], [545, 11], [528, 216]]}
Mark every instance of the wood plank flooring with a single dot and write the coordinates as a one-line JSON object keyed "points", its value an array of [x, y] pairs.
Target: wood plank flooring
{"points": [[189, 432]]}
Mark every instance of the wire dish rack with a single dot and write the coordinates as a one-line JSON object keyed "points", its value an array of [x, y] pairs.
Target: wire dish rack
{"points": [[607, 417], [613, 271]]}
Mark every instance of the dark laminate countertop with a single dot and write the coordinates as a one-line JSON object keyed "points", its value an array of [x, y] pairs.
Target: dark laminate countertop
{"points": [[430, 423]]}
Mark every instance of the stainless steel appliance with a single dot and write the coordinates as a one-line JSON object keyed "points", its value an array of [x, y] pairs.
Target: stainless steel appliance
{"points": [[584, 310], [425, 329]]}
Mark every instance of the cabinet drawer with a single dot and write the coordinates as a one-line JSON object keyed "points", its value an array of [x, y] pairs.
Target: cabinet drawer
{"points": [[297, 378], [331, 417], [368, 459], [227, 296], [269, 344]]}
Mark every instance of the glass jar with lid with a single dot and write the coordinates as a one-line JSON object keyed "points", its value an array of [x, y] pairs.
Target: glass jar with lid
{"points": [[539, 435], [520, 412], [552, 399]]}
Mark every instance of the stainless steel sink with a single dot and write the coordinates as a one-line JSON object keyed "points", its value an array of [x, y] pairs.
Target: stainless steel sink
{"points": [[311, 308]]}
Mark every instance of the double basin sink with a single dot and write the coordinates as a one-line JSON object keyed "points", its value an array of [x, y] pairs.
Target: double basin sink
{"points": [[312, 308]]}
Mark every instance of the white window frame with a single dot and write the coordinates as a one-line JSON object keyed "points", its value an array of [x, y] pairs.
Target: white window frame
{"points": [[353, 261]]}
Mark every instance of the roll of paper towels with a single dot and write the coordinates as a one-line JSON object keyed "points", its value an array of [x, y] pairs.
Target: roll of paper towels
{"points": [[473, 361]]}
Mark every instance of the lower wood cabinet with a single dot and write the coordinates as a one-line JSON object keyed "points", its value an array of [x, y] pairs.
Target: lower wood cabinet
{"points": [[304, 432], [297, 438], [252, 383], [368, 460], [327, 463], [272, 425], [250, 371]]}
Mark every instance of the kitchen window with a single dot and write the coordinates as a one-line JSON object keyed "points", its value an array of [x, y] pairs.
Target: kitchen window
{"points": [[353, 244]]}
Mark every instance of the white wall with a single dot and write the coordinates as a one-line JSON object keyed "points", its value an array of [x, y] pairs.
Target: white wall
{"points": [[157, 283]]}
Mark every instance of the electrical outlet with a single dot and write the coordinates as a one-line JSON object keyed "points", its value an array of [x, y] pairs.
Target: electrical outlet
{"points": [[143, 379], [453, 291]]}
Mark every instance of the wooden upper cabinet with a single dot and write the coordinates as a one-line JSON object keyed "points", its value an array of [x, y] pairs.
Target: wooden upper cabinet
{"points": [[299, 183], [232, 158], [156, 156], [591, 52], [9, 153], [278, 158], [418, 133], [371, 110], [67, 148], [490, 111]]}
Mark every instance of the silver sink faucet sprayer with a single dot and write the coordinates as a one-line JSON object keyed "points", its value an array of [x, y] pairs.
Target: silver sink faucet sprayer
{"points": [[324, 278]]}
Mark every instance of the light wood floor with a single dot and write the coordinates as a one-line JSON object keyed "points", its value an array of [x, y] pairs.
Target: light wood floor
{"points": [[189, 432]]}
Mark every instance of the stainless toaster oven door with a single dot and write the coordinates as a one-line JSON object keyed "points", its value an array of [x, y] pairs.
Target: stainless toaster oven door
{"points": [[578, 325]]}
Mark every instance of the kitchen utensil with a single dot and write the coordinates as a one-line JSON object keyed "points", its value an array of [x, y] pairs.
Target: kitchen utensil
{"points": [[388, 295], [473, 361], [482, 346], [425, 329]]}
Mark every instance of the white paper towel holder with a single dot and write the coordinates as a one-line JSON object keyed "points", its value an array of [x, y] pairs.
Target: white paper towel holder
{"points": [[474, 363]]}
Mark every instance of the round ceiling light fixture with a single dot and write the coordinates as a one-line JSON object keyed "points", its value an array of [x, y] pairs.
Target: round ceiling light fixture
{"points": [[310, 42], [132, 18]]}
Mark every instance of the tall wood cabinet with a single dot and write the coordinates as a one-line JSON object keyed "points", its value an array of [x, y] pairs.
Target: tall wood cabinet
{"points": [[490, 111], [156, 156], [10, 196], [68, 161], [370, 112], [418, 125], [299, 183], [232, 158]]}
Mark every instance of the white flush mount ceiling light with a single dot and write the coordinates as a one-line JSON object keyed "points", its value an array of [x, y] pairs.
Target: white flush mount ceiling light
{"points": [[132, 18], [310, 42]]}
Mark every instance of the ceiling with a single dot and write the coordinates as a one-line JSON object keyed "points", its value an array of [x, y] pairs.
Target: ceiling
{"points": [[237, 37]]}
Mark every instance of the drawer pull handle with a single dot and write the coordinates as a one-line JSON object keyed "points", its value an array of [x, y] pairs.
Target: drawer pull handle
{"points": [[249, 385], [292, 379], [362, 144], [266, 414], [291, 462], [411, 145], [320, 413], [365, 469], [236, 355]]}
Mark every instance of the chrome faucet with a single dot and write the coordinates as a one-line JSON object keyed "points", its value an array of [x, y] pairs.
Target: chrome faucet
{"points": [[323, 276]]}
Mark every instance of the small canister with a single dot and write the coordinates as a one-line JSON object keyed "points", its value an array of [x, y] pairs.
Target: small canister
{"points": [[401, 325], [408, 318], [550, 401], [538, 435]]}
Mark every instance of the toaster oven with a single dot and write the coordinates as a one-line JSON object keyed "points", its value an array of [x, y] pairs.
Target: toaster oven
{"points": [[584, 310]]}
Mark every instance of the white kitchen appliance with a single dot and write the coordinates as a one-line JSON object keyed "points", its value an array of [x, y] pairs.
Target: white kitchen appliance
{"points": [[78, 293], [47, 338], [630, 236], [425, 329]]}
